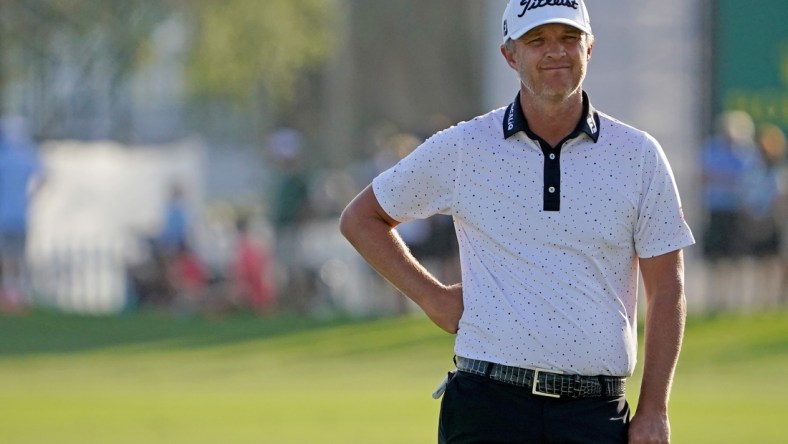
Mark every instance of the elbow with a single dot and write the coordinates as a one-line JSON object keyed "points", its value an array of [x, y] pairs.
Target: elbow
{"points": [[346, 223]]}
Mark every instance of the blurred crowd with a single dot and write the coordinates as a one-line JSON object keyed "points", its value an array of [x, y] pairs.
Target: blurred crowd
{"points": [[274, 259], [745, 196], [261, 273], [197, 260], [172, 275], [274, 264]]}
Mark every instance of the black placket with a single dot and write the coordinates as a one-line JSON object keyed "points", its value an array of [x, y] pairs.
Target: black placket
{"points": [[552, 176], [514, 122]]}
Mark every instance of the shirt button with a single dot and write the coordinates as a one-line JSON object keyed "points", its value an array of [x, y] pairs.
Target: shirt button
{"points": [[552, 156], [551, 189]]}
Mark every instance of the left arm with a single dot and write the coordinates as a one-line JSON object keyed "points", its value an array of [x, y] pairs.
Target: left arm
{"points": [[663, 279]]}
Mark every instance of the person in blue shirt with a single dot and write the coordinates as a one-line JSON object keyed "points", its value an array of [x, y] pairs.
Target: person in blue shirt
{"points": [[726, 158], [20, 169], [175, 229]]}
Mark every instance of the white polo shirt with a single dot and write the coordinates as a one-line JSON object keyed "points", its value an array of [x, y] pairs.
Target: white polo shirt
{"points": [[549, 238]]}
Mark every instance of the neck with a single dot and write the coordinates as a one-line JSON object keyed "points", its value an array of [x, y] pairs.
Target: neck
{"points": [[552, 120]]}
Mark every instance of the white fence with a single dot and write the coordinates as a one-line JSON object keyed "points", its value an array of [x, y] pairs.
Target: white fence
{"points": [[80, 275]]}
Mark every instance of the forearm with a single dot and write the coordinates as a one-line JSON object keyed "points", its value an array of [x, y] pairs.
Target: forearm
{"points": [[372, 234], [663, 279], [383, 249], [664, 331]]}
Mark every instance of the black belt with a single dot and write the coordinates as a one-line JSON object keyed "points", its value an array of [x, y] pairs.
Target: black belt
{"points": [[545, 382]]}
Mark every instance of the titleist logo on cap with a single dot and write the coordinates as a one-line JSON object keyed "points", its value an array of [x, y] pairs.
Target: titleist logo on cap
{"points": [[534, 4]]}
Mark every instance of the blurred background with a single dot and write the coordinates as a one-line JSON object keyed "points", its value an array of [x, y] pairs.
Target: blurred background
{"points": [[172, 172], [193, 156]]}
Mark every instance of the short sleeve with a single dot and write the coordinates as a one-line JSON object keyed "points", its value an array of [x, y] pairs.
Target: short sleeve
{"points": [[421, 184], [661, 227]]}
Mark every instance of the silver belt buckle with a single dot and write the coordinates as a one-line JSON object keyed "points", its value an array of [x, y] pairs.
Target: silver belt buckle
{"points": [[536, 391]]}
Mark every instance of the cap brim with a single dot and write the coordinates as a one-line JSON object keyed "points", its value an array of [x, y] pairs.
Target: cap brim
{"points": [[563, 21]]}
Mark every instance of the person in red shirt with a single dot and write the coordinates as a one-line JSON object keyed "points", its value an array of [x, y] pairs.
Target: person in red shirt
{"points": [[250, 274]]}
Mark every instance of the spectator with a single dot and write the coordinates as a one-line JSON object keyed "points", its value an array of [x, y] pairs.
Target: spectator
{"points": [[772, 144], [175, 231], [155, 281], [290, 210], [760, 193], [250, 273], [20, 178], [724, 160], [189, 279]]}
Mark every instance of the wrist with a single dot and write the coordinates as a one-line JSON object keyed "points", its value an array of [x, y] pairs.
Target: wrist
{"points": [[645, 407]]}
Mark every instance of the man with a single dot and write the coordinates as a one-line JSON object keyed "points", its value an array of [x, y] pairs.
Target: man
{"points": [[290, 210], [556, 206], [20, 179]]}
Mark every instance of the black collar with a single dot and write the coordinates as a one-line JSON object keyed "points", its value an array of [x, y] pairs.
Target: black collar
{"points": [[514, 121]]}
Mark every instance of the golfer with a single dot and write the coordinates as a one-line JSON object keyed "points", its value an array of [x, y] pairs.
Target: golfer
{"points": [[557, 208]]}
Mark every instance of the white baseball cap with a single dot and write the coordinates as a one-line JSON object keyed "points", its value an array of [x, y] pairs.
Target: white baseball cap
{"points": [[522, 16]]}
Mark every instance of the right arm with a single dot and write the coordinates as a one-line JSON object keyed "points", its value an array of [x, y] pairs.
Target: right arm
{"points": [[371, 231]]}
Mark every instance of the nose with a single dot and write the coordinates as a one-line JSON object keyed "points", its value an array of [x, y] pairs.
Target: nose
{"points": [[555, 49]]}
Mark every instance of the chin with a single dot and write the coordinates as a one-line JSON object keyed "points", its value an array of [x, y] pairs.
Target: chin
{"points": [[556, 95]]}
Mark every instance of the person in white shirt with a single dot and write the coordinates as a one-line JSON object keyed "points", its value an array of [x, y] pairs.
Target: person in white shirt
{"points": [[556, 207]]}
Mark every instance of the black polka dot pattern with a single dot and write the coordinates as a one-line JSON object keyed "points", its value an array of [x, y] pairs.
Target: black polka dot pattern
{"points": [[548, 289]]}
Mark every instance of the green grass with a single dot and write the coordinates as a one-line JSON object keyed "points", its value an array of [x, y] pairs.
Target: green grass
{"points": [[142, 378]]}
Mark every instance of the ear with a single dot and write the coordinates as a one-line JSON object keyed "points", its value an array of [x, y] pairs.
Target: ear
{"points": [[508, 56], [589, 49]]}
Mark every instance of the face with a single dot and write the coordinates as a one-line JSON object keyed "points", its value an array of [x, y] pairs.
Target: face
{"points": [[550, 60]]}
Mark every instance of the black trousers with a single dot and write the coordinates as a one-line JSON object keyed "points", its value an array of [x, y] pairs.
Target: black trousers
{"points": [[478, 410]]}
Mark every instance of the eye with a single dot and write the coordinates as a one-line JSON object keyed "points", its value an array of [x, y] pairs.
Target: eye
{"points": [[535, 41]]}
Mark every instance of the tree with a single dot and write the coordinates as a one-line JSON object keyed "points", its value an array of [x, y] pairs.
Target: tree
{"points": [[69, 61], [245, 48]]}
